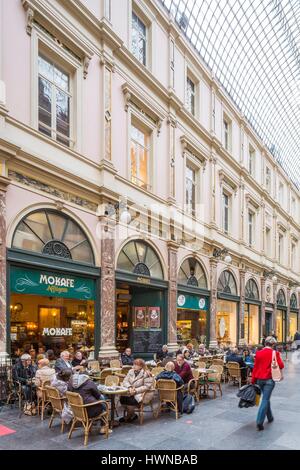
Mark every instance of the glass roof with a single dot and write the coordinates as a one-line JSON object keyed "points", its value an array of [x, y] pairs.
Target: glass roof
{"points": [[253, 48]]}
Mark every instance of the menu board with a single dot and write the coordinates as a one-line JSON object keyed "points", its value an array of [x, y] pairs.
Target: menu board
{"points": [[147, 341]]}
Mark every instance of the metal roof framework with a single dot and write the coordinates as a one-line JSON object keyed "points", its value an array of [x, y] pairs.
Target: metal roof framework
{"points": [[252, 47]]}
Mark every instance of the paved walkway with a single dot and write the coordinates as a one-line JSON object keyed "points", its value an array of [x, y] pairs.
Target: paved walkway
{"points": [[215, 424]]}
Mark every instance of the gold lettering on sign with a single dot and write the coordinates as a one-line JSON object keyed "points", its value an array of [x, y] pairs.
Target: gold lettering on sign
{"points": [[143, 280]]}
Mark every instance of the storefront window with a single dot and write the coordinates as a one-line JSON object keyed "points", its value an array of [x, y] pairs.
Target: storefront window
{"points": [[226, 322], [293, 324], [55, 323], [281, 325], [191, 325], [251, 322], [138, 257]]}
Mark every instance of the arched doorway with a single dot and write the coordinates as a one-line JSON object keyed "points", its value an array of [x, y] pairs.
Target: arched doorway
{"points": [[280, 323], [53, 282], [252, 312], [141, 299], [192, 303], [227, 309]]}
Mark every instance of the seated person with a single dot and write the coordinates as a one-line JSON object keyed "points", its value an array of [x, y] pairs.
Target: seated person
{"points": [[61, 380], [63, 362], [127, 358], [163, 353], [202, 350], [78, 361], [24, 372], [43, 374], [183, 369], [170, 374], [187, 357], [191, 350], [234, 356], [82, 384], [248, 359], [137, 381], [50, 355]]}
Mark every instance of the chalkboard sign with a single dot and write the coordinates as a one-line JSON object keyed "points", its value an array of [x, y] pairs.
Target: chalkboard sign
{"points": [[147, 341]]}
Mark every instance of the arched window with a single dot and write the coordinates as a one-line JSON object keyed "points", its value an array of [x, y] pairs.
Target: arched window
{"points": [[293, 301], [227, 283], [139, 257], [191, 273], [281, 298], [251, 290], [53, 233]]}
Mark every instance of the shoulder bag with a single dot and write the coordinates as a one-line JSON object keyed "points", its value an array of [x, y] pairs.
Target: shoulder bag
{"points": [[275, 369]]}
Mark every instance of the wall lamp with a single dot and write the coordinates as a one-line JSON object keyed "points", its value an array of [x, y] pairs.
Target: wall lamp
{"points": [[218, 253]]}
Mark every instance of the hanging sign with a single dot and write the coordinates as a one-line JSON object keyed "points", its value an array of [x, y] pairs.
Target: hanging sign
{"points": [[26, 281]]}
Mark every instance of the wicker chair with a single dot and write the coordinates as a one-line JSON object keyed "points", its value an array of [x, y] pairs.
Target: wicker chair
{"points": [[111, 380], [115, 364], [103, 374], [218, 362], [193, 385], [57, 403], [156, 370], [81, 415], [140, 409], [214, 380], [167, 394], [43, 401], [234, 373], [94, 365]]}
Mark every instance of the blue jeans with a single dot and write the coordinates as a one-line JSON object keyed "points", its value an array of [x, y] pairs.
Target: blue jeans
{"points": [[266, 387]]}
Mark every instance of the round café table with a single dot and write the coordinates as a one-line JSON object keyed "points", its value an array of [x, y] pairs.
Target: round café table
{"points": [[112, 393]]}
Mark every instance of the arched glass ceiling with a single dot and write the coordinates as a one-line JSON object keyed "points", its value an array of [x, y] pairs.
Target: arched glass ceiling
{"points": [[253, 48]]}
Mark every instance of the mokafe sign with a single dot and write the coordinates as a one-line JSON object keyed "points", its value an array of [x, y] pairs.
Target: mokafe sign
{"points": [[26, 281]]}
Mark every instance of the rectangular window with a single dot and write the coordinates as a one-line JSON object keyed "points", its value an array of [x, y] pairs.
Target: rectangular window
{"points": [[190, 95], [251, 228], [293, 207], [280, 247], [252, 161], [280, 193], [140, 156], [54, 101], [226, 212], [138, 39], [293, 256], [268, 249], [268, 179], [190, 189], [227, 134]]}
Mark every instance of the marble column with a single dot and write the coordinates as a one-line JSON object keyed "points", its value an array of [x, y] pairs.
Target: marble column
{"points": [[275, 286], [263, 306], [242, 340], [213, 304], [3, 185], [108, 290], [172, 296]]}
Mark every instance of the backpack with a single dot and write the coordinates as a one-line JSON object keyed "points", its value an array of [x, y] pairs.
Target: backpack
{"points": [[188, 405]]}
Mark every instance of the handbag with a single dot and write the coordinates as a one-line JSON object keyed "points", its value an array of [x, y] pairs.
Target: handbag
{"points": [[275, 369]]}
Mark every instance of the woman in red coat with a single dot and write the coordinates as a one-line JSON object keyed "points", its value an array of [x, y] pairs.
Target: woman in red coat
{"points": [[262, 376]]}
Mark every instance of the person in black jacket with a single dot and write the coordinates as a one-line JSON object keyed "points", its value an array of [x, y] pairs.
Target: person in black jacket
{"points": [[127, 358], [82, 384], [235, 357], [163, 353], [23, 372], [170, 374]]}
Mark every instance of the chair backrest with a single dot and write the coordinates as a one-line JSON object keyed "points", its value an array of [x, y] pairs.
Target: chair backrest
{"points": [[94, 365], [219, 368], [111, 380], [196, 374], [126, 369], [219, 362], [115, 363], [76, 403], [166, 390], [156, 370], [202, 365], [234, 369], [44, 390], [54, 397], [216, 373]]}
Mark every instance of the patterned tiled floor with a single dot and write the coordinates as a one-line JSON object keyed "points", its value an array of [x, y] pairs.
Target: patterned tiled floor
{"points": [[215, 424]]}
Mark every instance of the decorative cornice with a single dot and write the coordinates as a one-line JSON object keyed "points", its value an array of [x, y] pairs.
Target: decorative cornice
{"points": [[251, 200], [4, 182], [195, 147], [224, 177]]}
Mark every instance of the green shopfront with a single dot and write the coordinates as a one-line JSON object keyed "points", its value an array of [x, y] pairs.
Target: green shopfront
{"points": [[53, 286], [192, 303]]}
